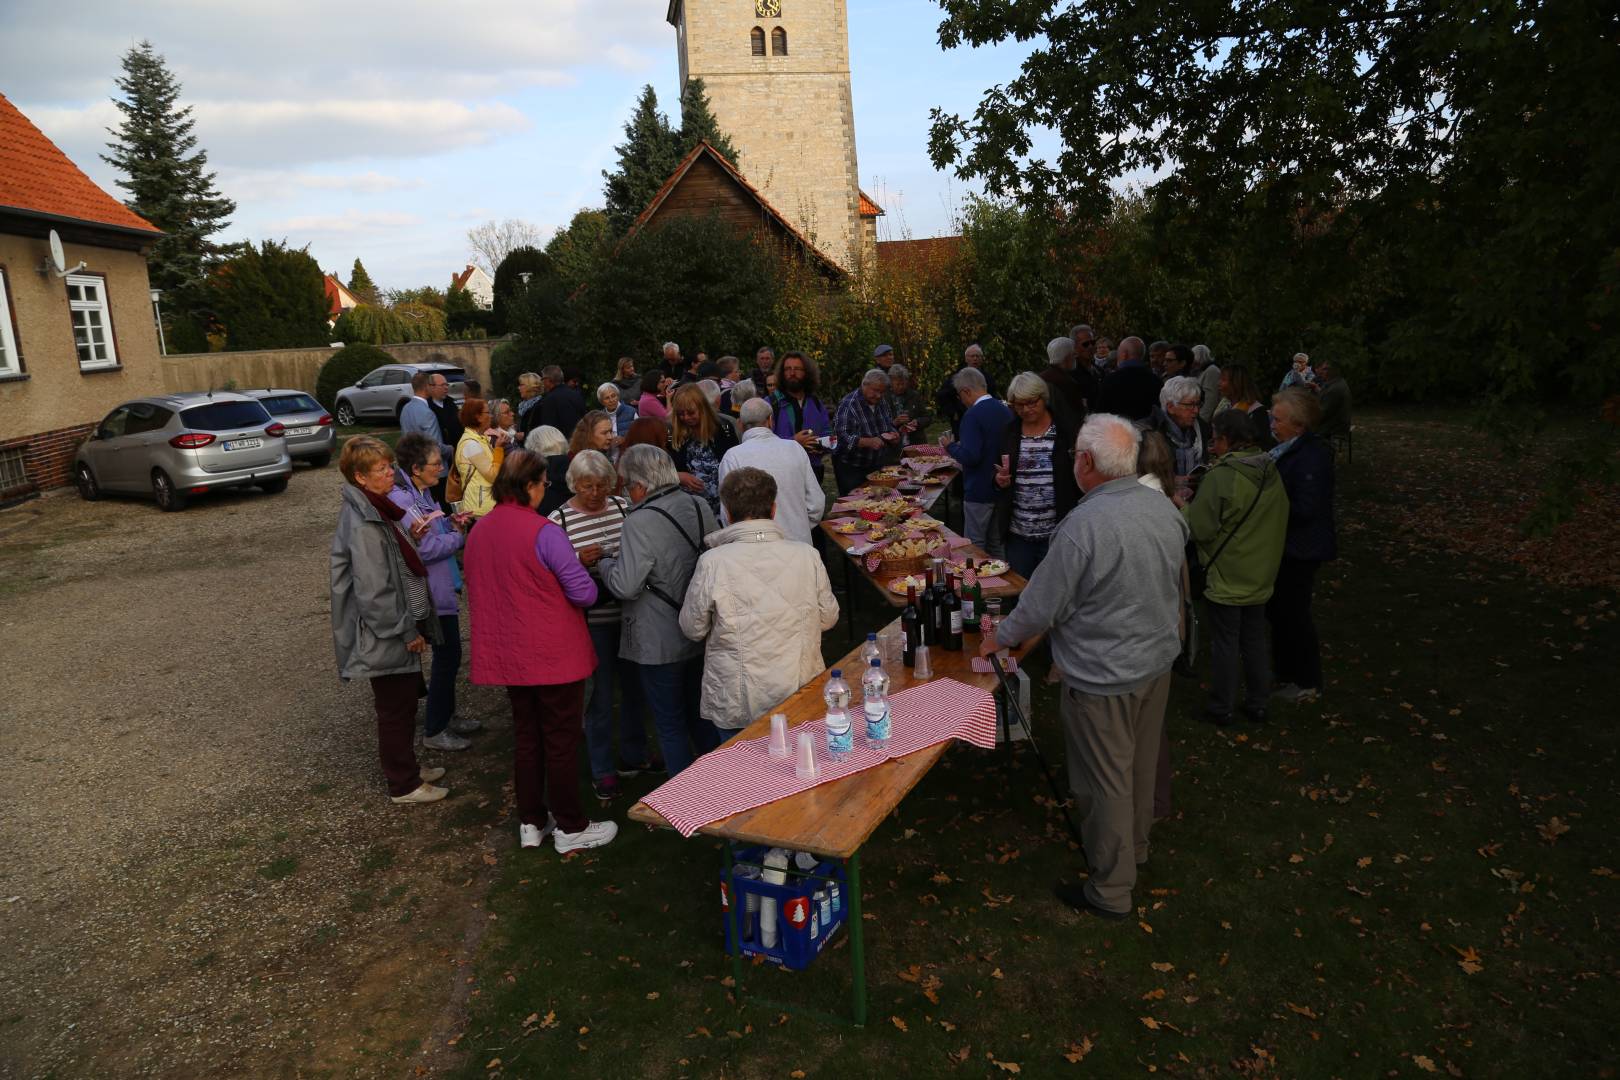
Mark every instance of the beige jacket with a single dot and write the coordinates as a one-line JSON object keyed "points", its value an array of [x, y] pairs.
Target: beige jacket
{"points": [[762, 601]]}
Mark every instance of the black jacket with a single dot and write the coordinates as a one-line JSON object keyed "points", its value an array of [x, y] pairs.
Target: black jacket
{"points": [[448, 414], [563, 408], [1131, 392], [1306, 469], [1065, 490]]}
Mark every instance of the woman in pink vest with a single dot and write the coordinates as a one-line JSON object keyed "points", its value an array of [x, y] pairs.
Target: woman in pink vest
{"points": [[526, 595]]}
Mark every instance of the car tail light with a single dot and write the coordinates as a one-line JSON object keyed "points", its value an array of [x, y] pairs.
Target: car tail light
{"points": [[276, 430], [191, 440], [325, 420]]}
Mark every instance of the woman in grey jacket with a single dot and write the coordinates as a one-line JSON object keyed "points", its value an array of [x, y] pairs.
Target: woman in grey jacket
{"points": [[658, 551], [382, 614]]}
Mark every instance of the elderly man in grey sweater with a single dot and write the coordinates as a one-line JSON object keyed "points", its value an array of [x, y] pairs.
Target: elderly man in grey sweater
{"points": [[1109, 596]]}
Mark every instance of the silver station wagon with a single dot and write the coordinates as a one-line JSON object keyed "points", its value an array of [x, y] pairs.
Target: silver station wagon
{"points": [[175, 446], [310, 435]]}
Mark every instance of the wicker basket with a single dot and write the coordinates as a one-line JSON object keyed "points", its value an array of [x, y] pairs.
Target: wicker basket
{"points": [[877, 479], [912, 564]]}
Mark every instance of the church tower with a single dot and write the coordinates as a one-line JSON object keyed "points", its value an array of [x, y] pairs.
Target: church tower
{"points": [[777, 75]]}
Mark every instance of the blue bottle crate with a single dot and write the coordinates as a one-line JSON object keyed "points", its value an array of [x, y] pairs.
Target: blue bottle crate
{"points": [[794, 948]]}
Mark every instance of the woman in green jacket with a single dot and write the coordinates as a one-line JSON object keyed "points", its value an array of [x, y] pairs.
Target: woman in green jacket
{"points": [[1238, 519]]}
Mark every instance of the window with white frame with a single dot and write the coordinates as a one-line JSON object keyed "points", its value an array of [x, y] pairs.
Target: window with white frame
{"points": [[10, 362], [92, 322]]}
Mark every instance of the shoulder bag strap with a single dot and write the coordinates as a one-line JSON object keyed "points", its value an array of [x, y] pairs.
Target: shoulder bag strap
{"points": [[1259, 491]]}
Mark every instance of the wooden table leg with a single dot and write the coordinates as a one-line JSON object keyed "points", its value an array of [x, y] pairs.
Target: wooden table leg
{"points": [[857, 939]]}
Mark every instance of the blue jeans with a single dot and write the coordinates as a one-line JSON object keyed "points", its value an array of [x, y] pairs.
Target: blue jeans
{"points": [[626, 675], [441, 699], [674, 692], [1024, 554]]}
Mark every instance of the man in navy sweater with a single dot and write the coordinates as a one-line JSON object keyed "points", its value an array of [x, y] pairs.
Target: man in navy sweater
{"points": [[984, 421], [1132, 390]]}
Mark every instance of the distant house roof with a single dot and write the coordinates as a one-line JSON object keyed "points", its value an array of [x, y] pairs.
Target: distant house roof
{"points": [[338, 298], [705, 159], [37, 179], [929, 255], [459, 281], [870, 208]]}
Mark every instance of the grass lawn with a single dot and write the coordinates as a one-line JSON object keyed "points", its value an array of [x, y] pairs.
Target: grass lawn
{"points": [[1412, 877]]}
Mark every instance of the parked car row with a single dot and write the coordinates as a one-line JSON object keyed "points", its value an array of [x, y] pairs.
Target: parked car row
{"points": [[177, 446]]}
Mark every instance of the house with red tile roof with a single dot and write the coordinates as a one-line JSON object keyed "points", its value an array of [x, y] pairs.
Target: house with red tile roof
{"points": [[479, 285], [338, 300], [75, 341]]}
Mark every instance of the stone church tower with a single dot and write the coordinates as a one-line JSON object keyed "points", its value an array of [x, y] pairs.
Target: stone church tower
{"points": [[777, 75]]}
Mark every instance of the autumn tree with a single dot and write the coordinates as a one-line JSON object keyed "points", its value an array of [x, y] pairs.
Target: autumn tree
{"points": [[491, 242]]}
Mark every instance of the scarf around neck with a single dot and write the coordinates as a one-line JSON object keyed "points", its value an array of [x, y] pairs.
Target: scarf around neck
{"points": [[391, 517]]}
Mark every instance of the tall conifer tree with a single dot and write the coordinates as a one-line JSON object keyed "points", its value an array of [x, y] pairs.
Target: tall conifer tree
{"points": [[698, 122], [649, 153], [360, 284], [167, 179]]}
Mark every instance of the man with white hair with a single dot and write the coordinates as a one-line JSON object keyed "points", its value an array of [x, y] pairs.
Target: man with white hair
{"points": [[1065, 393], [978, 451], [711, 391], [800, 499], [946, 397], [864, 430], [1108, 596]]}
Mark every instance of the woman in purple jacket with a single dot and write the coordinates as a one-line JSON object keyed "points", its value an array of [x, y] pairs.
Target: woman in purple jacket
{"points": [[420, 466]]}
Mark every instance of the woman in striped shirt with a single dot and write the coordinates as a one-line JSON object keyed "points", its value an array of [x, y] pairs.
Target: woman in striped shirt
{"points": [[592, 519], [1037, 464]]}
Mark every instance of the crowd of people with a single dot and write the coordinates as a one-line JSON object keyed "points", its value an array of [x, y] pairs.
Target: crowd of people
{"points": [[652, 555]]}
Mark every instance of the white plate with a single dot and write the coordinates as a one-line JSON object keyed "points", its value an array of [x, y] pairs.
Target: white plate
{"points": [[244, 444]]}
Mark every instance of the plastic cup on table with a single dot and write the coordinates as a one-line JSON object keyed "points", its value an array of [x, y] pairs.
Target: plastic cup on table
{"points": [[779, 748], [889, 647], [805, 765], [921, 669]]}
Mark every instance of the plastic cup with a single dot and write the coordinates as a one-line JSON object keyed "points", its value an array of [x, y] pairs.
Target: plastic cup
{"points": [[921, 669], [779, 737], [889, 646], [805, 765]]}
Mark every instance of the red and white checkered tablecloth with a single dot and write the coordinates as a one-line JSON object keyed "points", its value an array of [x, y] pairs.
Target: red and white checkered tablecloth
{"points": [[742, 775]]}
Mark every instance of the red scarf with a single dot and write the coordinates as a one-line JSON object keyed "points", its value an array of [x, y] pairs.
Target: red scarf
{"points": [[392, 514]]}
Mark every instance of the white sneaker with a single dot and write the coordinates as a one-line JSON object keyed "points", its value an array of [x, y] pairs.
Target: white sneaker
{"points": [[430, 774], [425, 793], [594, 834], [1307, 695], [446, 740], [532, 835], [1286, 692], [467, 726]]}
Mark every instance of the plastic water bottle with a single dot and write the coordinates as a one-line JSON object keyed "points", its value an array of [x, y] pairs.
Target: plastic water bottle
{"points": [[870, 650], [840, 739], [875, 702]]}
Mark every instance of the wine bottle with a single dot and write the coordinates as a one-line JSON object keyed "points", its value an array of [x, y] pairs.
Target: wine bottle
{"points": [[925, 610], [911, 627], [953, 618], [972, 600]]}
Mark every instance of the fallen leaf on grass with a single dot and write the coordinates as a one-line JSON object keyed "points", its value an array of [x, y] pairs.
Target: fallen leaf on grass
{"points": [[1162, 966], [1007, 1066], [1471, 961], [1300, 1010], [653, 996], [1154, 995], [962, 1054], [996, 974], [1077, 1051], [1296, 858], [1364, 862], [493, 1064], [911, 974], [797, 1074], [899, 1023], [1149, 1023], [1424, 1063], [550, 1020], [1146, 929], [490, 859], [941, 878], [1552, 830]]}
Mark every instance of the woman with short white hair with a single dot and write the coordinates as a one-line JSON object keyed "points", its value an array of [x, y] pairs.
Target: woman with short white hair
{"points": [[1178, 421], [659, 545], [550, 444], [593, 520], [623, 413]]}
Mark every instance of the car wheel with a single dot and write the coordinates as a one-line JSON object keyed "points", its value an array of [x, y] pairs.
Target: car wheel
{"points": [[89, 490], [273, 487], [169, 498], [345, 414], [320, 461]]}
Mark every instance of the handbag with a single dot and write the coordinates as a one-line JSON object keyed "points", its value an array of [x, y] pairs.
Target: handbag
{"points": [[454, 488]]}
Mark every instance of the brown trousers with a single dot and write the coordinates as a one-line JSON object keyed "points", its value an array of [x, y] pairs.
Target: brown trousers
{"points": [[395, 698], [548, 724], [1113, 757]]}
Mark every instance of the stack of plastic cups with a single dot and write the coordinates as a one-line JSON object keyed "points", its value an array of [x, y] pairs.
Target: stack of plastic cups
{"points": [[779, 737], [805, 766]]}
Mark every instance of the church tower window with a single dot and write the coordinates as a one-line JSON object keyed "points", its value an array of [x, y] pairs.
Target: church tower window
{"points": [[779, 42], [757, 37]]}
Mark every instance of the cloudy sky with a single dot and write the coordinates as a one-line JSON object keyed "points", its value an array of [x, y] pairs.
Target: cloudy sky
{"points": [[386, 130]]}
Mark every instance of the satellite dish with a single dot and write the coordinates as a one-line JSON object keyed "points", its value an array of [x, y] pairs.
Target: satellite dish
{"points": [[59, 259]]}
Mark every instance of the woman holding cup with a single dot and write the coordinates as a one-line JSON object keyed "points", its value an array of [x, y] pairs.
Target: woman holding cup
{"points": [[1037, 468]]}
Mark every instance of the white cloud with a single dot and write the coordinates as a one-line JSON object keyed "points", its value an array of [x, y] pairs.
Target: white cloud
{"points": [[277, 185]]}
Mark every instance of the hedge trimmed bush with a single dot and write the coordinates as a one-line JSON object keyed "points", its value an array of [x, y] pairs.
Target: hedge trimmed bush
{"points": [[345, 367]]}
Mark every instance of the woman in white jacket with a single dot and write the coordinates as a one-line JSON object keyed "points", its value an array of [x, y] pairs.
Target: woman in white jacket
{"points": [[762, 601]]}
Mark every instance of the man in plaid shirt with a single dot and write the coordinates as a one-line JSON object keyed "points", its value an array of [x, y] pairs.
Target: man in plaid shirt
{"points": [[864, 429]]}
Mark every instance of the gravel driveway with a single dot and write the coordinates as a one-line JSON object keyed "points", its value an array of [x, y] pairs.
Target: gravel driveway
{"points": [[202, 873]]}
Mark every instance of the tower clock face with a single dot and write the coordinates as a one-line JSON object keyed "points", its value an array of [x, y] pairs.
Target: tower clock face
{"points": [[767, 9]]}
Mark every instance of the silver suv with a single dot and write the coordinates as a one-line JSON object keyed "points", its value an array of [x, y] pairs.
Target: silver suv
{"points": [[310, 435], [179, 445], [385, 390]]}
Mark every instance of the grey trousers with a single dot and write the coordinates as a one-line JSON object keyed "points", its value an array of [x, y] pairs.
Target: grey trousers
{"points": [[981, 525], [1113, 755], [1237, 639]]}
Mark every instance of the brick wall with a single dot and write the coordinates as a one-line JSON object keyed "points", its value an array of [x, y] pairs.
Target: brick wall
{"points": [[47, 458]]}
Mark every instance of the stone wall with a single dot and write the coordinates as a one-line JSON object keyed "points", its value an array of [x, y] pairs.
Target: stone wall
{"points": [[790, 117], [297, 369]]}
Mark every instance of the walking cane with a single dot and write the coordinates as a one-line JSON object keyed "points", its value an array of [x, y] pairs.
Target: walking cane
{"points": [[1029, 733]]}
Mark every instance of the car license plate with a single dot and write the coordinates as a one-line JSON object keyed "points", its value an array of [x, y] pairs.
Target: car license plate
{"points": [[302, 430], [244, 444]]}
